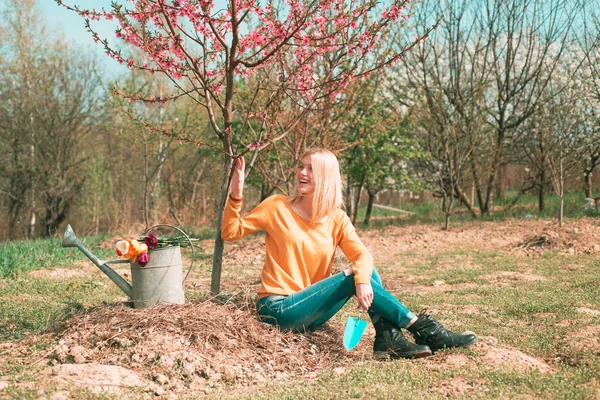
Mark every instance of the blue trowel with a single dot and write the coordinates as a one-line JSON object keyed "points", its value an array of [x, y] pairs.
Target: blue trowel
{"points": [[355, 327]]}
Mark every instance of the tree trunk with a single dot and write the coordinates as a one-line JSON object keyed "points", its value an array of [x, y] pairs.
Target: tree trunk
{"points": [[349, 198], [587, 184], [476, 183], [496, 162], [464, 199], [447, 208], [541, 201], [369, 207], [561, 210], [154, 193], [32, 215], [14, 210], [357, 200], [500, 184], [215, 279], [146, 184], [561, 188]]}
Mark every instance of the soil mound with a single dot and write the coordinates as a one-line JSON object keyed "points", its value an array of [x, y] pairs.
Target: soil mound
{"points": [[198, 345], [579, 237]]}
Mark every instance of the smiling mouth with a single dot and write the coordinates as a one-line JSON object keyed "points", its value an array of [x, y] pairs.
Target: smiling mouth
{"points": [[304, 182]]}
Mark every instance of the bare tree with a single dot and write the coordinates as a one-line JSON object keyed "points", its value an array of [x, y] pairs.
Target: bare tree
{"points": [[588, 80], [51, 102], [444, 82], [483, 74]]}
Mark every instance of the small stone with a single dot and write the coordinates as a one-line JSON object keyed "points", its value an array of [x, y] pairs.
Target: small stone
{"points": [[229, 373], [188, 369], [161, 379], [198, 384], [259, 378], [76, 350], [167, 361], [339, 370], [438, 283], [3, 385], [78, 359], [61, 395], [216, 377], [136, 358]]}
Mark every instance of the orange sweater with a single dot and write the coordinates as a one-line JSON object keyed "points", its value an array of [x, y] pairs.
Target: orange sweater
{"points": [[298, 253]]}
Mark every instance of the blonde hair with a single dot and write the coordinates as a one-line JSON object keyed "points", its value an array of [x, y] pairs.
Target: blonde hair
{"points": [[328, 183]]}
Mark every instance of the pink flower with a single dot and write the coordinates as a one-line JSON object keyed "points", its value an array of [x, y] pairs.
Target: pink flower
{"points": [[151, 241], [144, 259]]}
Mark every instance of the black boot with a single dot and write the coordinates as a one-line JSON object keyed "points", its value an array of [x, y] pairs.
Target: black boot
{"points": [[389, 341], [427, 330]]}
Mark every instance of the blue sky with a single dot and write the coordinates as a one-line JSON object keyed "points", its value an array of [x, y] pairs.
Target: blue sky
{"points": [[59, 19]]}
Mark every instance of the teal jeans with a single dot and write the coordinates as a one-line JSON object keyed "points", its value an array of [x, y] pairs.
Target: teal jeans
{"points": [[311, 307]]}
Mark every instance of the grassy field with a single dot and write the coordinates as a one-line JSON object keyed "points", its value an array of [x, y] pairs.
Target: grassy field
{"points": [[529, 291], [427, 210]]}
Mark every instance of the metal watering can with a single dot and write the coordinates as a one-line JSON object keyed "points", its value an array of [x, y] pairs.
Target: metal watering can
{"points": [[159, 282]]}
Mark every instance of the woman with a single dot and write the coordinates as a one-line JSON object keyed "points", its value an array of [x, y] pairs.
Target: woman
{"points": [[303, 231]]}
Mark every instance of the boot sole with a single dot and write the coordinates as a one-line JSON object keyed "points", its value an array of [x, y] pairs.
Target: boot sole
{"points": [[384, 355]]}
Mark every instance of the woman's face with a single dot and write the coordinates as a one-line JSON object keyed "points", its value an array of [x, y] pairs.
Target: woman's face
{"points": [[306, 183]]}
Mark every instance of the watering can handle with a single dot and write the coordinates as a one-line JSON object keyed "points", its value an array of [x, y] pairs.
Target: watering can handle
{"points": [[186, 236]]}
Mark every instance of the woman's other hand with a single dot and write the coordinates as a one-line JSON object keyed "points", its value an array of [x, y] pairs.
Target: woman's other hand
{"points": [[364, 294], [237, 181]]}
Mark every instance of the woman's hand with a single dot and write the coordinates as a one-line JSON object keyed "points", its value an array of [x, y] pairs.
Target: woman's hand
{"points": [[364, 294], [237, 181]]}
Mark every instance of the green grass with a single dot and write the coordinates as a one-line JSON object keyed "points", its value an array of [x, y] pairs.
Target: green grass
{"points": [[399, 381], [21, 256], [427, 210], [30, 305]]}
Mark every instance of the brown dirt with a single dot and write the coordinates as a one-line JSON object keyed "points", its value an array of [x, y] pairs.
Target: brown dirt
{"points": [[459, 387], [60, 273], [507, 278], [97, 378], [588, 311], [527, 237], [585, 339]]}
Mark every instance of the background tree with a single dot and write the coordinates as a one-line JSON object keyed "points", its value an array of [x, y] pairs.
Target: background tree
{"points": [[588, 83], [482, 75], [444, 82], [50, 104]]}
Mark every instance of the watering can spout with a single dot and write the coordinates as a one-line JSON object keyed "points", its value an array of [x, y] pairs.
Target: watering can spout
{"points": [[70, 240]]}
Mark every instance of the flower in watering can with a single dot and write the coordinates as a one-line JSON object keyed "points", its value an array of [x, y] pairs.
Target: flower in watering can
{"points": [[122, 247], [151, 241], [144, 259], [131, 249]]}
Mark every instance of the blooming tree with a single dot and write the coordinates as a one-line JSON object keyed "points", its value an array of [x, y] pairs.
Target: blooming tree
{"points": [[305, 51]]}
